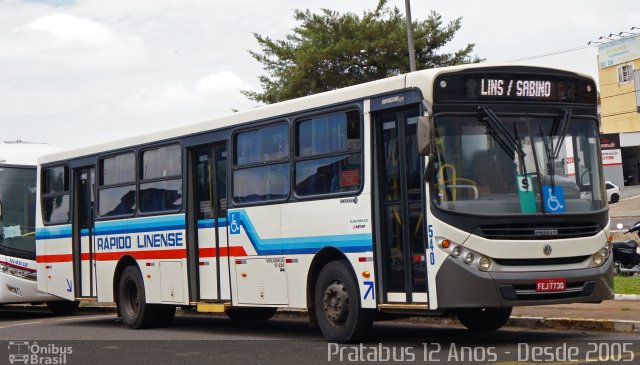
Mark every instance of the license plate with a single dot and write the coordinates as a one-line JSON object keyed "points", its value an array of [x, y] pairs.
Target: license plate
{"points": [[543, 285]]}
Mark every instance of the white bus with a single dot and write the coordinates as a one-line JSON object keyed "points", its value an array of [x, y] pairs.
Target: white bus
{"points": [[465, 190], [18, 228]]}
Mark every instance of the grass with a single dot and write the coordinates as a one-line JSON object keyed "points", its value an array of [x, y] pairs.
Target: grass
{"points": [[626, 285]]}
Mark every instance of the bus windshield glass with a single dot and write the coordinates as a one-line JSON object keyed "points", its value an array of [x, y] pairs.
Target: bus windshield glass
{"points": [[492, 165], [17, 196]]}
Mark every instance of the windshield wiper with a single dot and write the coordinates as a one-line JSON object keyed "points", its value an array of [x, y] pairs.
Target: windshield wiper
{"points": [[559, 128], [501, 134]]}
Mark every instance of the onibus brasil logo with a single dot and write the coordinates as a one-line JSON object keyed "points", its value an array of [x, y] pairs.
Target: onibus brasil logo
{"points": [[26, 352]]}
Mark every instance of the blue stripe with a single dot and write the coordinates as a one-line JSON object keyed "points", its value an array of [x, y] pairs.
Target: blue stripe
{"points": [[124, 229], [266, 246], [48, 233], [141, 225], [208, 223], [149, 224], [299, 245]]}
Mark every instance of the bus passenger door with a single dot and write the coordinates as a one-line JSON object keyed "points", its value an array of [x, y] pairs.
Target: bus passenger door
{"points": [[209, 255], [400, 225], [84, 269]]}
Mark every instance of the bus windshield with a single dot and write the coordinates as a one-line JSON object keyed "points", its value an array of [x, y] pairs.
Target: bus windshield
{"points": [[492, 165], [17, 196]]}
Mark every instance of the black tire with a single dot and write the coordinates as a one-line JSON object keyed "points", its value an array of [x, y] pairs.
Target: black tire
{"points": [[615, 198], [251, 314], [484, 319], [337, 305], [164, 315], [63, 308], [132, 304]]}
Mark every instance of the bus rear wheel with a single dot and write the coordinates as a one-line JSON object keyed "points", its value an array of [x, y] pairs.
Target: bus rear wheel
{"points": [[133, 308], [484, 319], [337, 304], [63, 308]]}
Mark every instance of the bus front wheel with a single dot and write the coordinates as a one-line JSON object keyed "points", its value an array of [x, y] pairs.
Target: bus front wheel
{"points": [[337, 304], [133, 308], [484, 319]]}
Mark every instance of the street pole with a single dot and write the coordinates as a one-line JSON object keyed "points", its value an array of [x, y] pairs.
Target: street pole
{"points": [[412, 51]]}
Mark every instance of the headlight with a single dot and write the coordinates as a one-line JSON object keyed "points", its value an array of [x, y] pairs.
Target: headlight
{"points": [[469, 257], [602, 255], [598, 259], [484, 264], [14, 271]]}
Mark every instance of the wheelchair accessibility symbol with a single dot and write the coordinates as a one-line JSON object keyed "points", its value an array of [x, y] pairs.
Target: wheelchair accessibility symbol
{"points": [[554, 199], [234, 223]]}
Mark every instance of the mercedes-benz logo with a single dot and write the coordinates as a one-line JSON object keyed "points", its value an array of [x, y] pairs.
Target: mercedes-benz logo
{"points": [[547, 250]]}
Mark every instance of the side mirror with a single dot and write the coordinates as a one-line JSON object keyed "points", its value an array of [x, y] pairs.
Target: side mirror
{"points": [[425, 145], [425, 136]]}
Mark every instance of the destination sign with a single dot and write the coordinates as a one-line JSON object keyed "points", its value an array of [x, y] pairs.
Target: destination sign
{"points": [[524, 88], [514, 87]]}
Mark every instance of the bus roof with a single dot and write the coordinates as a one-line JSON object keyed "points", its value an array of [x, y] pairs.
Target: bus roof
{"points": [[23, 153], [419, 79]]}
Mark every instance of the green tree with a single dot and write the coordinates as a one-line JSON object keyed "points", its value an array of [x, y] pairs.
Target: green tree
{"points": [[330, 50]]}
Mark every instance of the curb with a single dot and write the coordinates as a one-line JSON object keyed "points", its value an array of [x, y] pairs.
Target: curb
{"points": [[607, 325], [576, 324], [627, 297], [547, 323]]}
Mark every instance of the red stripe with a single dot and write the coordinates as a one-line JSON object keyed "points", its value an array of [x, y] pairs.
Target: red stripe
{"points": [[16, 266], [145, 255], [237, 251], [54, 258], [108, 256]]}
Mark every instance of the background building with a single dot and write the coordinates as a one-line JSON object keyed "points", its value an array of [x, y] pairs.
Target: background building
{"points": [[619, 73]]}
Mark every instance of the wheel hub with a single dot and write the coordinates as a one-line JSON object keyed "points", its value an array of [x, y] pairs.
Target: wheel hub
{"points": [[336, 303], [132, 302]]}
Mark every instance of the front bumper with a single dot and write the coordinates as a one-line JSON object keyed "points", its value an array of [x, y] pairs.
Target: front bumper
{"points": [[19, 290], [463, 286]]}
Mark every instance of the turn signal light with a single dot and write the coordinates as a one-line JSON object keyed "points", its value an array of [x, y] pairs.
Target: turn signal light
{"points": [[366, 274], [445, 243]]}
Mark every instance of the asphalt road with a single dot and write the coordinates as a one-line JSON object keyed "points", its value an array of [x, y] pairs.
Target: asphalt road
{"points": [[94, 338]]}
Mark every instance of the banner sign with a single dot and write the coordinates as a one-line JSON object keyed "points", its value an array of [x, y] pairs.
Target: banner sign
{"points": [[611, 157], [620, 51]]}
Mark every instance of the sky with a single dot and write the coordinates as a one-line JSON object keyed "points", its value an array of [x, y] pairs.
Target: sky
{"points": [[79, 72]]}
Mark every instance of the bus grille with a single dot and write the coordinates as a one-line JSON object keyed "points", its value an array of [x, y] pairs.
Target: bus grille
{"points": [[539, 231], [542, 262]]}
